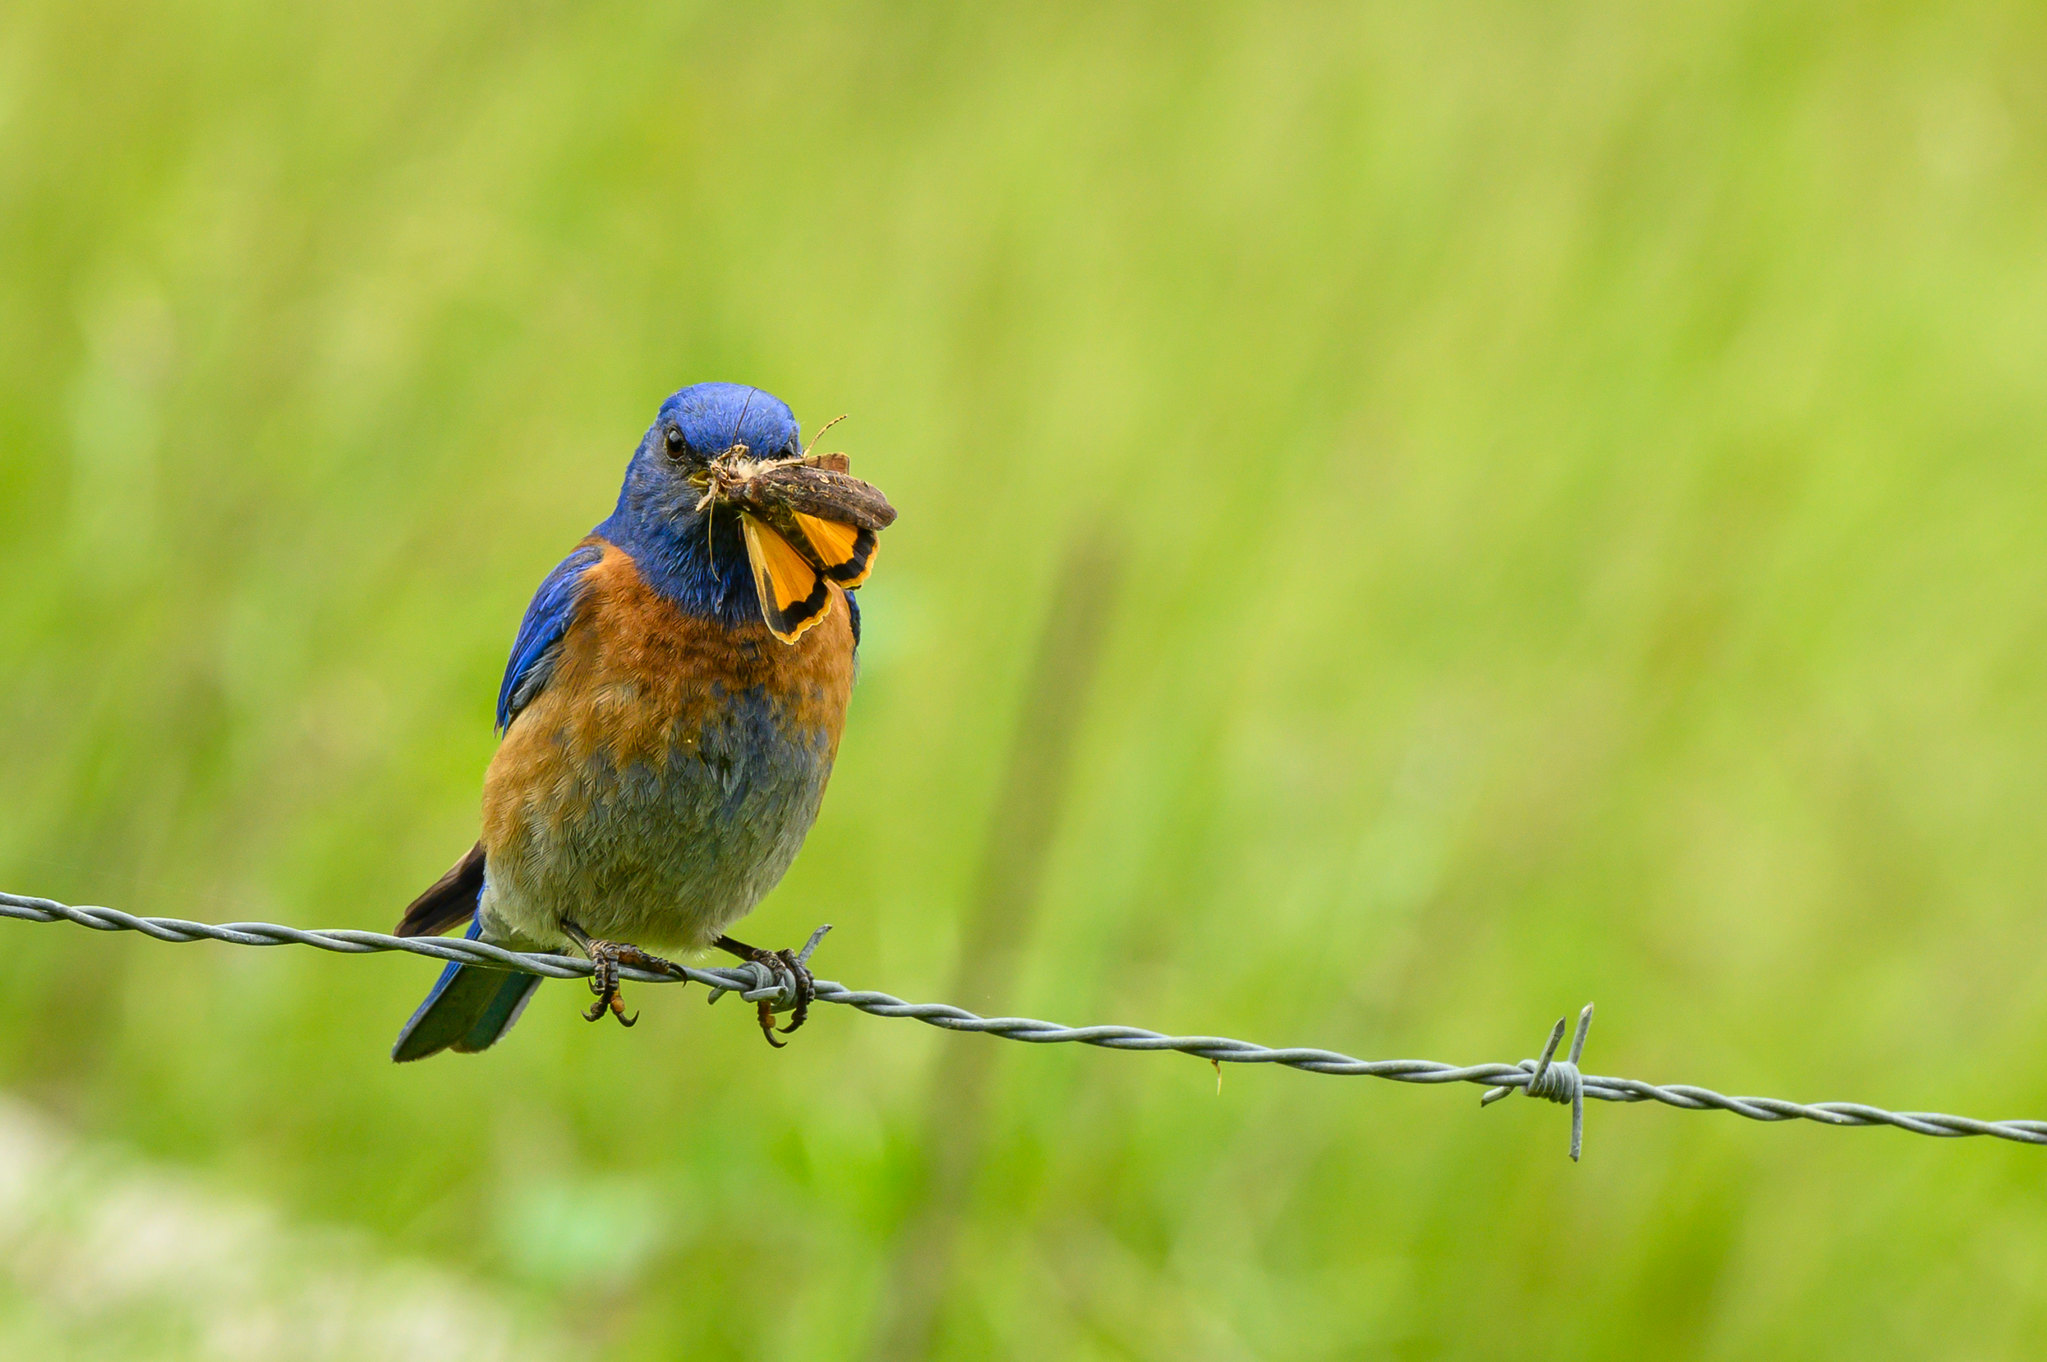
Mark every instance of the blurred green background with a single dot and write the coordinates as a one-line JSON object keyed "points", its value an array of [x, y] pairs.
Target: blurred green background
{"points": [[1577, 475]]}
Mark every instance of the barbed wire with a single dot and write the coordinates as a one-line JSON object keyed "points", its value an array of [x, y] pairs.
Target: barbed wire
{"points": [[1548, 1078]]}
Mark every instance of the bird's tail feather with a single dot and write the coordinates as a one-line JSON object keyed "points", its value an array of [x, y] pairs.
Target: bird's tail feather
{"points": [[448, 899], [469, 1008]]}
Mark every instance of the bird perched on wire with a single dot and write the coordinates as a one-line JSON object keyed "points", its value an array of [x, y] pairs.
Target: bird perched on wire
{"points": [[670, 714]]}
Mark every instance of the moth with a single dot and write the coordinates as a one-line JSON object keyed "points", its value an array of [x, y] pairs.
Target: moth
{"points": [[807, 522]]}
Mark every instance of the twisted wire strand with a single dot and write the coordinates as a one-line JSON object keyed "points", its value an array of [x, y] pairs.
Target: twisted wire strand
{"points": [[1551, 1079]]}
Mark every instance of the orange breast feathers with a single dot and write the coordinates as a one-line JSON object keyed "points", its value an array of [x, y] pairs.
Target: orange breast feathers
{"points": [[637, 677]]}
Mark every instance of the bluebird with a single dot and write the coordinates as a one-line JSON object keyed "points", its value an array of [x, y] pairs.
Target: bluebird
{"points": [[669, 717]]}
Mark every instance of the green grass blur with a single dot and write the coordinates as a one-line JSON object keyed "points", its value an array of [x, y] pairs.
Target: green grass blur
{"points": [[1582, 477]]}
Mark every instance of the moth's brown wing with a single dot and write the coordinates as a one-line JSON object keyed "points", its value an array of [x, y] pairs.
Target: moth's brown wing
{"points": [[820, 492], [793, 595], [844, 553], [831, 463]]}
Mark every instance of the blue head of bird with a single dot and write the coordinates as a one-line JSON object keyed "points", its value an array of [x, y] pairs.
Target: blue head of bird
{"points": [[687, 548]]}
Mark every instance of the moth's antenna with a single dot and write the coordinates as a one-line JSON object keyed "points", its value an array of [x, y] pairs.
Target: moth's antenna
{"points": [[732, 440], [820, 433]]}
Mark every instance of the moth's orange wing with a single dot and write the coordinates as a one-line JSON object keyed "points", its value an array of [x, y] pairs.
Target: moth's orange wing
{"points": [[793, 595], [844, 553]]}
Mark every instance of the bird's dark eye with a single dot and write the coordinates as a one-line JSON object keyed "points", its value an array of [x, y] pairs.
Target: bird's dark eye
{"points": [[674, 439]]}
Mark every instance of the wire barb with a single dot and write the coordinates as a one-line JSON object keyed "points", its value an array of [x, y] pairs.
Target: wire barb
{"points": [[765, 981], [1558, 1081], [1526, 1075]]}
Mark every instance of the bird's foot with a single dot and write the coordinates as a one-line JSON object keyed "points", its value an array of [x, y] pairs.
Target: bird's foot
{"points": [[605, 959], [791, 973]]}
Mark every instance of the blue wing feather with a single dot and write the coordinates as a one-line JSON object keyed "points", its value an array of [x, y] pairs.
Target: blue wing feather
{"points": [[547, 619]]}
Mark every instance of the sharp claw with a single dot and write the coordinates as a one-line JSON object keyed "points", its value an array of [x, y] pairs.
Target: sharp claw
{"points": [[603, 982], [767, 1016], [605, 957], [805, 989], [790, 972]]}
